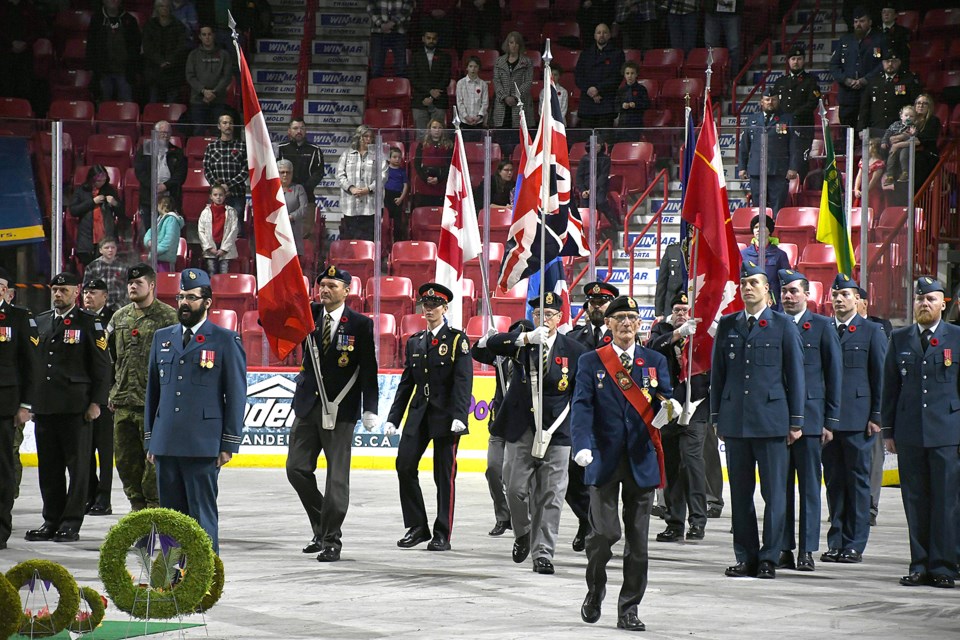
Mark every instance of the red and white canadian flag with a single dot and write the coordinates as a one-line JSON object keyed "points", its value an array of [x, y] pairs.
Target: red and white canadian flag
{"points": [[459, 232], [282, 297]]}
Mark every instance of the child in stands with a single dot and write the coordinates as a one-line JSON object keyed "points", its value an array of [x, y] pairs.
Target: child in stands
{"points": [[218, 227], [169, 225], [473, 98], [633, 100], [395, 191]]}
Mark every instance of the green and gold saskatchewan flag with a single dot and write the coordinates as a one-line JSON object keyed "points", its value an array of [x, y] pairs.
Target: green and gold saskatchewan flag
{"points": [[832, 227]]}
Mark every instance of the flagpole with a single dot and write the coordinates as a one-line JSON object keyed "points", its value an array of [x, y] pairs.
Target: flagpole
{"points": [[546, 132]]}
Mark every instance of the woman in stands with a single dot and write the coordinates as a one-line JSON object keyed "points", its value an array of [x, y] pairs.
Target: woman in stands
{"points": [[501, 187], [298, 205], [511, 71], [431, 164], [358, 180], [96, 204], [928, 133]]}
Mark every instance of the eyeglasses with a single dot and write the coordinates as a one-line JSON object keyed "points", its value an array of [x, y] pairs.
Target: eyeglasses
{"points": [[188, 297], [620, 318], [549, 315]]}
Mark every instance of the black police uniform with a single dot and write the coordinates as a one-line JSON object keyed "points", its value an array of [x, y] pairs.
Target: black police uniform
{"points": [[854, 59], [799, 94], [101, 480], [884, 96]]}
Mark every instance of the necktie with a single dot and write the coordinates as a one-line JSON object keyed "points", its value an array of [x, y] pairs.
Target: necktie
{"points": [[766, 120], [326, 331], [187, 335], [57, 321], [626, 361], [546, 359], [925, 339], [597, 334], [841, 329], [750, 322]]}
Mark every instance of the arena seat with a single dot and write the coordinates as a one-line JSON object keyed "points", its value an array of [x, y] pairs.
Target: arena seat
{"points": [[410, 324], [154, 112], [70, 84], [471, 268], [511, 303], [113, 173], [74, 55], [673, 96], [383, 118], [111, 150], [741, 222], [237, 291], [566, 58], [16, 116], [195, 195], [661, 64], [44, 146], [77, 117], [388, 350], [168, 286], [258, 349], [500, 219], [425, 223], [414, 259], [793, 254], [195, 149], [797, 225], [354, 256], [355, 294], [119, 118], [396, 295], [632, 160], [475, 326], [226, 318], [695, 66], [819, 262], [131, 193], [389, 92]]}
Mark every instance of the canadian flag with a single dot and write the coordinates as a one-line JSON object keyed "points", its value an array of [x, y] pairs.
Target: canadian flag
{"points": [[459, 232], [717, 275], [282, 298]]}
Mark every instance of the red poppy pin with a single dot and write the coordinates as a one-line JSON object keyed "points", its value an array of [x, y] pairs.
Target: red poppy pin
{"points": [[762, 323], [434, 342], [3, 316], [639, 362], [806, 325], [606, 338], [134, 333], [853, 328], [200, 339], [934, 342], [558, 360], [343, 319], [67, 322]]}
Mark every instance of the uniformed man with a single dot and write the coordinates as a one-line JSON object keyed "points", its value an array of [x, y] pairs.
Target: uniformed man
{"points": [[822, 370], [799, 94], [683, 444], [18, 362], [342, 345], [886, 93], [670, 276], [855, 60], [897, 35], [6, 300], [436, 383], [756, 401], [619, 387], [592, 335], [95, 295], [876, 465], [196, 369], [130, 332], [784, 152], [847, 458], [921, 397], [536, 462], [73, 382]]}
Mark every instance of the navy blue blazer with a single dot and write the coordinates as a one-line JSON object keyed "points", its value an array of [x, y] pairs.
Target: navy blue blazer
{"points": [[194, 411], [822, 371], [863, 345], [604, 422], [757, 385], [784, 151], [921, 394]]}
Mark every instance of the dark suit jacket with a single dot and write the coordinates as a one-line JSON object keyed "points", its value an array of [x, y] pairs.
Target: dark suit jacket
{"points": [[18, 358], [863, 350], [783, 145], [424, 77], [72, 375], [336, 375], [823, 373], [176, 163], [669, 278], [584, 335]]}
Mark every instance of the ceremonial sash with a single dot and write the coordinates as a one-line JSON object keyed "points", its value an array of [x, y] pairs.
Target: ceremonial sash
{"points": [[628, 386]]}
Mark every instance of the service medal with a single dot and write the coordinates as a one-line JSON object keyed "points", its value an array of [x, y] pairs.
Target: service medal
{"points": [[6, 334], [443, 349], [343, 360], [600, 376], [207, 359], [563, 384], [653, 378], [646, 394], [947, 357], [624, 380]]}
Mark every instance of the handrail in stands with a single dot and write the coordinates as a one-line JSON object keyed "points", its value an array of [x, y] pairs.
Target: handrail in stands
{"points": [[935, 198], [664, 178], [784, 45], [607, 246], [306, 55]]}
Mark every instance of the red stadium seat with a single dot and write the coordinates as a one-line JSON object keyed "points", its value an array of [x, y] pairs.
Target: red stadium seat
{"points": [[487, 59], [425, 223], [469, 301], [474, 153], [797, 225], [111, 150], [819, 262], [16, 116], [695, 65], [225, 318], [653, 89], [566, 58], [388, 351], [855, 224], [70, 24], [511, 303], [258, 349], [939, 23], [354, 256], [383, 118], [237, 291], [183, 255], [396, 295], [673, 93], [414, 259], [561, 31], [477, 325], [792, 252], [74, 54], [816, 291], [577, 154], [909, 19], [195, 195], [131, 193], [168, 286], [119, 118], [741, 222], [388, 92], [154, 112], [661, 64], [633, 55], [70, 84], [632, 160], [77, 117], [44, 145], [471, 269], [409, 325], [500, 221], [355, 294], [196, 147]]}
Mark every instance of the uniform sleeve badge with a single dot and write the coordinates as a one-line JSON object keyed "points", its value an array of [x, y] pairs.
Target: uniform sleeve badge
{"points": [[102, 343], [464, 347]]}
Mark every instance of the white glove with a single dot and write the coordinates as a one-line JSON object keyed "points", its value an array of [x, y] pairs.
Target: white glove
{"points": [[482, 342], [458, 426], [674, 409], [390, 429], [369, 420], [537, 336], [583, 457], [689, 327]]}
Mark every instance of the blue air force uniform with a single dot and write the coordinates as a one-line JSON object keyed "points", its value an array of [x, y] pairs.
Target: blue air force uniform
{"points": [[784, 153], [196, 396], [854, 59], [921, 414], [847, 458], [757, 395], [823, 376]]}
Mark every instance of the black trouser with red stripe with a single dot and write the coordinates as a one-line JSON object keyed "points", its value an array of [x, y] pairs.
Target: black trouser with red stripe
{"points": [[413, 444]]}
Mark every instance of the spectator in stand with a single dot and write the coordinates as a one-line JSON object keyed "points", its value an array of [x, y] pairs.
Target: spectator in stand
{"points": [[429, 77], [603, 182], [171, 167], [598, 76], [875, 169], [209, 70], [776, 258], [682, 18], [637, 20], [562, 94], [855, 60], [501, 187], [111, 271], [297, 202], [113, 51], [633, 101], [359, 177], [186, 12], [721, 26], [799, 95], [885, 94], [21, 28], [481, 23], [389, 20], [512, 70], [897, 35], [896, 142], [96, 204], [307, 159], [164, 52], [593, 12], [928, 133], [225, 162], [473, 99], [217, 229], [432, 164], [169, 225], [395, 191], [784, 154]]}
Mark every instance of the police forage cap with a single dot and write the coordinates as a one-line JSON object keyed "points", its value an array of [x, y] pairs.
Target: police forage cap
{"points": [[749, 268], [889, 53], [860, 11], [843, 281], [140, 270], [789, 275], [97, 284], [623, 303], [65, 279], [680, 298], [600, 290], [796, 50], [550, 301], [770, 223], [335, 273], [928, 285], [435, 291], [192, 278]]}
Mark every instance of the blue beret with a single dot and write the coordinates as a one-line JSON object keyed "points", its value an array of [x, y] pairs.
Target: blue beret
{"points": [[843, 281], [193, 278], [749, 268], [623, 303], [65, 279], [928, 285], [550, 301], [335, 273], [789, 275]]}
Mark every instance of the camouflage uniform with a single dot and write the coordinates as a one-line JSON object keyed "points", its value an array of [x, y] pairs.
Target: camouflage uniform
{"points": [[131, 334]]}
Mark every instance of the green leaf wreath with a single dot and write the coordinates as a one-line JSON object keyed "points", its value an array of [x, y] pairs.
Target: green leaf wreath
{"points": [[43, 623], [88, 621]]}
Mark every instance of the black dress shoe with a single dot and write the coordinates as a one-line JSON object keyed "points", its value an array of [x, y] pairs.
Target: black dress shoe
{"points": [[44, 533], [543, 565], [915, 579], [329, 554], [100, 510], [580, 540], [805, 561], [670, 535], [696, 532], [741, 570], [521, 548], [873, 519], [413, 537], [767, 570], [659, 511], [66, 535], [439, 543], [500, 527], [850, 556], [941, 581], [714, 512], [833, 555], [630, 622], [313, 547], [786, 560], [3, 545], [590, 609]]}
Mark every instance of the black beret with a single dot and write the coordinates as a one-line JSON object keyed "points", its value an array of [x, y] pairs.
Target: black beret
{"points": [[97, 284], [623, 303], [140, 270], [65, 279], [335, 273]]}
